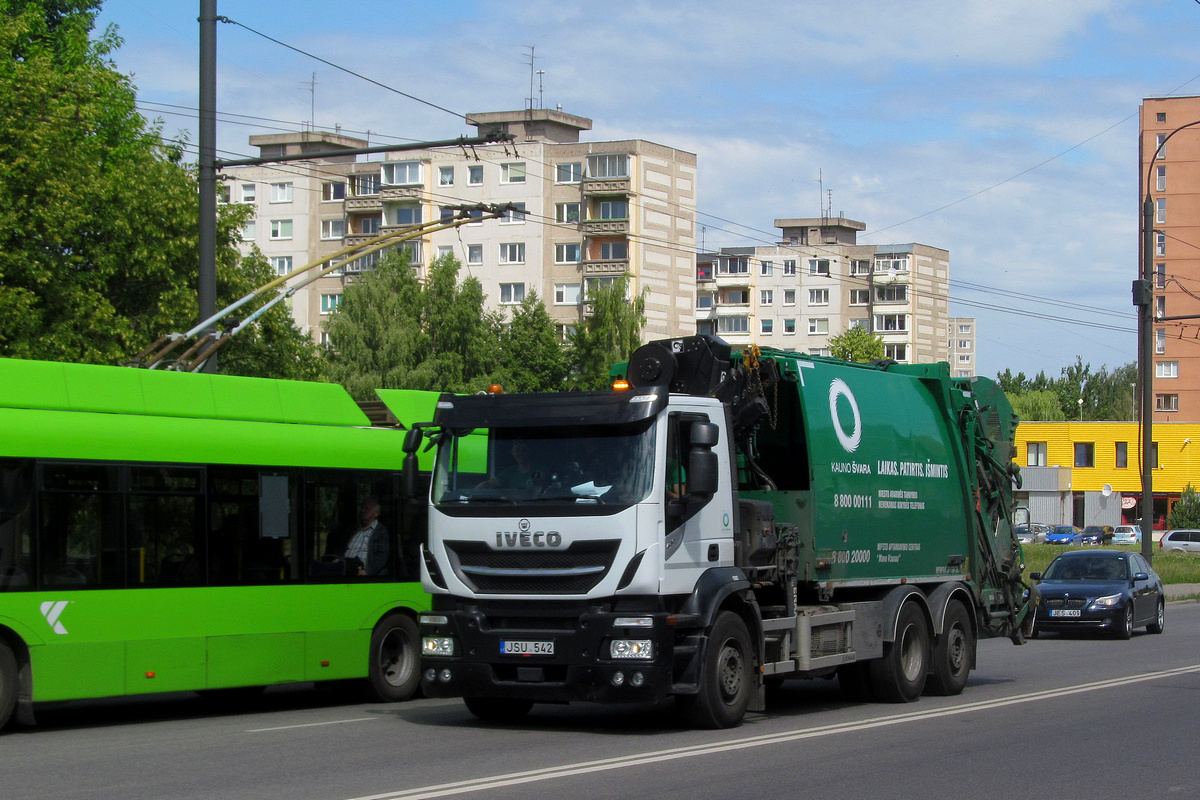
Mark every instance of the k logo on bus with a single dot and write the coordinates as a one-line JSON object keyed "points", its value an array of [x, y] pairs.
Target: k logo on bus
{"points": [[52, 610]]}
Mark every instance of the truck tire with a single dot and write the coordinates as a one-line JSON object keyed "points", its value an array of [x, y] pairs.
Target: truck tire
{"points": [[952, 653], [725, 684], [393, 671], [899, 676], [498, 709], [8, 683]]}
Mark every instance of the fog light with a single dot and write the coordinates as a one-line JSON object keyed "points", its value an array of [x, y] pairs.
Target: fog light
{"points": [[430, 675], [618, 678], [633, 622], [637, 679], [434, 619], [631, 648], [444, 675], [437, 646]]}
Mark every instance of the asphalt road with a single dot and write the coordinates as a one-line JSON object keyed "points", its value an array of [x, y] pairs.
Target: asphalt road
{"points": [[1060, 718]]}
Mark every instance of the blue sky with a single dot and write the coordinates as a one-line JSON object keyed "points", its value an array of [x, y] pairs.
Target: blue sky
{"points": [[1005, 132]]}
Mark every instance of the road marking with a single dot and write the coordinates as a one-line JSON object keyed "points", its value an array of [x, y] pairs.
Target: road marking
{"points": [[312, 724], [623, 762]]}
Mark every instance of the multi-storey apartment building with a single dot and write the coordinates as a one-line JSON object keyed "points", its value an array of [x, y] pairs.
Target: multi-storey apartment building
{"points": [[960, 345], [587, 212], [1171, 175], [818, 282]]}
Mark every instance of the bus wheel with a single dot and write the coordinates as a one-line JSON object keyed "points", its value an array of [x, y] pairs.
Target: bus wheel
{"points": [[394, 669], [8, 683], [725, 683], [899, 676], [498, 709], [952, 653]]}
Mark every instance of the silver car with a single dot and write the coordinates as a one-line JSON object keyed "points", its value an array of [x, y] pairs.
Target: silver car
{"points": [[1032, 533], [1180, 541], [1127, 534]]}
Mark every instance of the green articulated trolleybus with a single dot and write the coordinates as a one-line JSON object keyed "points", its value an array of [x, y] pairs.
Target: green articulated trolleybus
{"points": [[167, 531]]}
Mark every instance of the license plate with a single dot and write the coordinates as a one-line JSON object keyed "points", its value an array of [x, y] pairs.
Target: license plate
{"points": [[519, 648], [1065, 612]]}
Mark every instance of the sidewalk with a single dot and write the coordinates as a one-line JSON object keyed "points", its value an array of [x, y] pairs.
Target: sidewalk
{"points": [[1176, 590]]}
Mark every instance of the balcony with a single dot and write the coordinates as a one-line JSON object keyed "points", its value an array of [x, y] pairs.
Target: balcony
{"points": [[606, 267], [370, 203], [595, 186], [604, 227], [891, 276], [401, 192], [355, 239]]}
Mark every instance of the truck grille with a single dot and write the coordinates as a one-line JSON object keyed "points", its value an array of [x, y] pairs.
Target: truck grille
{"points": [[574, 570]]}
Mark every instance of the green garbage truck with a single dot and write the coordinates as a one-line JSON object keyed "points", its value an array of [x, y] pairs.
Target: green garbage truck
{"points": [[726, 521]]}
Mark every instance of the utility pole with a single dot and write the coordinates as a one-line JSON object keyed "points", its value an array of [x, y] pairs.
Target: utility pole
{"points": [[207, 289]]}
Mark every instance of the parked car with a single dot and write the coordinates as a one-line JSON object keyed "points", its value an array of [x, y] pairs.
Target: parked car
{"points": [[1127, 534], [1032, 532], [1180, 541], [1098, 534], [1108, 590], [1065, 534]]}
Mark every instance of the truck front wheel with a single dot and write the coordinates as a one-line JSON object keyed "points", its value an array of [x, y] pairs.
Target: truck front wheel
{"points": [[899, 676], [725, 684], [393, 672], [952, 653], [8, 682]]}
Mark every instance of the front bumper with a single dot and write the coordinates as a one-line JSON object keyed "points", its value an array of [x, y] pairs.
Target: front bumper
{"points": [[581, 667], [1088, 619]]}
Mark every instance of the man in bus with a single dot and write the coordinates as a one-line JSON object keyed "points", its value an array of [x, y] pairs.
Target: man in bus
{"points": [[368, 549]]}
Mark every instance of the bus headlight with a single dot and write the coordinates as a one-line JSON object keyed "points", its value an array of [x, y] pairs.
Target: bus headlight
{"points": [[437, 646], [631, 648]]}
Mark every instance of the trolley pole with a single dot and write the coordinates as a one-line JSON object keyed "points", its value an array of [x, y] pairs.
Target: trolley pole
{"points": [[207, 289]]}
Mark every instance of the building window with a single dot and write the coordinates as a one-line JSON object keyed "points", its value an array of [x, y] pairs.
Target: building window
{"points": [[333, 191], [1161, 142], [564, 332], [512, 293], [1160, 276], [818, 297], [766, 268], [1166, 402], [735, 297], [512, 173], [1160, 340], [819, 351], [330, 303], [614, 251], [1160, 244], [249, 192], [789, 267], [1160, 209], [733, 266], [592, 284], [1160, 304], [512, 253], [891, 294], [1122, 456], [406, 215], [818, 266], [474, 254], [896, 352], [1035, 454], [610, 166], [1160, 179], [249, 230], [401, 173], [733, 325], [891, 322], [766, 297], [281, 192], [568, 173], [818, 326], [364, 185], [964, 329], [475, 175], [445, 250], [515, 215], [865, 324], [789, 326], [860, 297], [566, 294], [567, 253], [964, 359], [368, 225], [333, 228], [222, 193], [1162, 116], [891, 262], [445, 176], [614, 209], [789, 297], [566, 212], [281, 229], [1166, 369], [1085, 454], [860, 267], [704, 272], [766, 325], [281, 265], [704, 300], [964, 344]]}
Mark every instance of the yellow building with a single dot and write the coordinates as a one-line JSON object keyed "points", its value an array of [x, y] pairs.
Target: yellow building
{"points": [[1090, 473]]}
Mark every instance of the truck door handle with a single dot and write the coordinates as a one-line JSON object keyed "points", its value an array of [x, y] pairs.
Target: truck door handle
{"points": [[714, 552]]}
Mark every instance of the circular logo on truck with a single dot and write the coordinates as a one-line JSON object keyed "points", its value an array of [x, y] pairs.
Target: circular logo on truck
{"points": [[850, 441]]}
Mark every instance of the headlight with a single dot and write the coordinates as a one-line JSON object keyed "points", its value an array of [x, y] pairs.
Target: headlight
{"points": [[631, 648], [437, 646], [1108, 601]]}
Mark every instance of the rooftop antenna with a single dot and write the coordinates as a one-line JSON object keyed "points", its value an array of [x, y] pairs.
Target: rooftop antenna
{"points": [[829, 193], [821, 190], [529, 100], [540, 73], [312, 101]]}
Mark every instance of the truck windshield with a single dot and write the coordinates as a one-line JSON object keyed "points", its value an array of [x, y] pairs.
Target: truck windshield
{"points": [[603, 465]]}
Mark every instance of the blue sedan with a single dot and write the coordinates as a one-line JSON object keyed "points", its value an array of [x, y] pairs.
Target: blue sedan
{"points": [[1065, 534], [1099, 590]]}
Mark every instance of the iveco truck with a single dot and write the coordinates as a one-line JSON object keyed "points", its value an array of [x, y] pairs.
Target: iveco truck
{"points": [[725, 521]]}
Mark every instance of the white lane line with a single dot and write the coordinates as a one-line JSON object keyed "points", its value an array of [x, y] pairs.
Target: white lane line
{"points": [[312, 724], [622, 762]]}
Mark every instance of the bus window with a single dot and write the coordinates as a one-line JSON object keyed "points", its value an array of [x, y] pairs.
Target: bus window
{"points": [[80, 534], [351, 525], [165, 526], [254, 525], [16, 524]]}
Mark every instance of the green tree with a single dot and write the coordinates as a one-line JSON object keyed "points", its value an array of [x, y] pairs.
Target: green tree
{"points": [[1186, 512], [856, 344], [609, 335], [533, 358], [98, 215], [1042, 406]]}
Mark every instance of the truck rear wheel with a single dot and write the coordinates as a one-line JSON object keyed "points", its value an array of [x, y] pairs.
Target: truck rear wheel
{"points": [[393, 671], [952, 653], [498, 709], [8, 683], [899, 676], [725, 685]]}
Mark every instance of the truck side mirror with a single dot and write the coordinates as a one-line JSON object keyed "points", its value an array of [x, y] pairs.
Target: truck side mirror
{"points": [[408, 474], [704, 434], [412, 440], [702, 476]]}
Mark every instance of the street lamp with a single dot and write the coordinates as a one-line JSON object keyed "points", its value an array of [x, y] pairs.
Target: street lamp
{"points": [[1081, 409]]}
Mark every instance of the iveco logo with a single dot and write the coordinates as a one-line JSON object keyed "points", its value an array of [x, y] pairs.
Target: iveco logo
{"points": [[528, 538]]}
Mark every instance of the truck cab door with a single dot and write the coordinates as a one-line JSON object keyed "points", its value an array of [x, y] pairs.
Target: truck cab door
{"points": [[697, 512]]}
